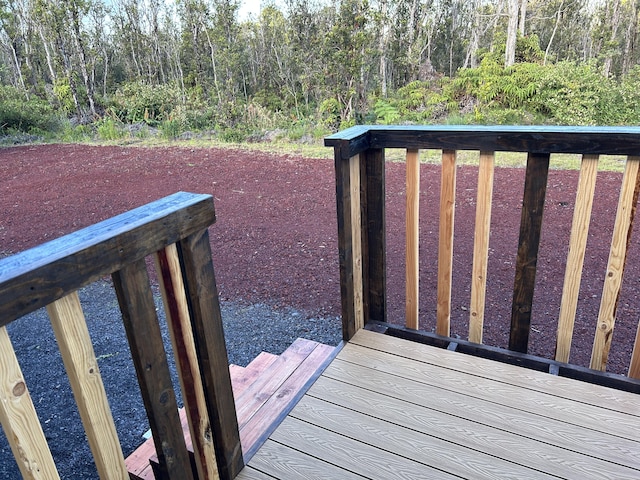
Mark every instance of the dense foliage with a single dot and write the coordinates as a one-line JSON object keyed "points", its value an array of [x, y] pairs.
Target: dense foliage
{"points": [[84, 68]]}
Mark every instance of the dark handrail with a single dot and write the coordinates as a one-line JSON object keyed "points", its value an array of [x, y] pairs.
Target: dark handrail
{"points": [[118, 247], [534, 139], [359, 154]]}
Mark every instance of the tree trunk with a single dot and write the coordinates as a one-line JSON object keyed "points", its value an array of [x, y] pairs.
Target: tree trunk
{"points": [[523, 17], [630, 37], [77, 37], [553, 34], [213, 64], [614, 23], [382, 45], [18, 79], [47, 52], [512, 34]]}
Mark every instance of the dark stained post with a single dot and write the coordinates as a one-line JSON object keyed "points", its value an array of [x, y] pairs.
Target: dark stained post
{"points": [[374, 247], [535, 188], [150, 361], [204, 307]]}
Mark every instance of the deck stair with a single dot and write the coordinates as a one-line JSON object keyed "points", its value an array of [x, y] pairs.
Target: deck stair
{"points": [[265, 391]]}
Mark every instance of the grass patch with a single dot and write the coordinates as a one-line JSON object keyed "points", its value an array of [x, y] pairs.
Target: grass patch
{"points": [[112, 135], [559, 161]]}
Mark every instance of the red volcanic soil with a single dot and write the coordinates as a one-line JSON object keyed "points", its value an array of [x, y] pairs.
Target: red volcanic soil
{"points": [[275, 238]]}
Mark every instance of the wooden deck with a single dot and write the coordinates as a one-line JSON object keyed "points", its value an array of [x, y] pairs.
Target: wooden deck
{"points": [[389, 408], [264, 392]]}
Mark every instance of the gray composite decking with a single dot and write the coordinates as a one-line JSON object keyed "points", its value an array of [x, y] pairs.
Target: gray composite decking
{"points": [[389, 408]]}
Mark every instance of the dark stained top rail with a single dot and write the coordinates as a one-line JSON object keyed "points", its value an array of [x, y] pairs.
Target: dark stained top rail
{"points": [[36, 277], [533, 139], [174, 228]]}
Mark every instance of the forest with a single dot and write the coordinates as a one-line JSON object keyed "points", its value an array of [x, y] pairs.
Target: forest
{"points": [[75, 69]]}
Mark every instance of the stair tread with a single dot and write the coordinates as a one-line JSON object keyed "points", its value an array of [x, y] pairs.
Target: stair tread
{"points": [[262, 390]]}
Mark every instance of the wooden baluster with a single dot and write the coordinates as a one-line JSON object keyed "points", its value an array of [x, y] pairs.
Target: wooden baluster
{"points": [[412, 238], [535, 188], [374, 239], [356, 234], [575, 258], [350, 243], [481, 246], [445, 244], [150, 360], [20, 420], [204, 308], [76, 349], [184, 348], [634, 365], [616, 263]]}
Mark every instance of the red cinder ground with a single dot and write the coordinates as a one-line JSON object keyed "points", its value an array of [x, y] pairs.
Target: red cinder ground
{"points": [[275, 239]]}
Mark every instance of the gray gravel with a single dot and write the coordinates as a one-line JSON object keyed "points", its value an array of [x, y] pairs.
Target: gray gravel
{"points": [[249, 330]]}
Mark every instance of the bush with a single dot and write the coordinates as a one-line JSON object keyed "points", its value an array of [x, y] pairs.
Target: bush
{"points": [[171, 128], [109, 129], [139, 102], [21, 115], [578, 94]]}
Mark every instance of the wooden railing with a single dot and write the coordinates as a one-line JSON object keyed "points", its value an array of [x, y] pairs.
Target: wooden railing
{"points": [[360, 185], [173, 230]]}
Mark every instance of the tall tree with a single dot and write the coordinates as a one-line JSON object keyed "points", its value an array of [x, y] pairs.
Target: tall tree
{"points": [[613, 22], [346, 52], [512, 32]]}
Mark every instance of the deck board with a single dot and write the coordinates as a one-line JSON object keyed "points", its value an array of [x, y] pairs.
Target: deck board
{"points": [[387, 406]]}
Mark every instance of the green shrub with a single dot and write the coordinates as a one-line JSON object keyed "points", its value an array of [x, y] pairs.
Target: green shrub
{"points": [[139, 102], [109, 129], [22, 115], [75, 133], [171, 128], [386, 113], [630, 94], [329, 111], [578, 94]]}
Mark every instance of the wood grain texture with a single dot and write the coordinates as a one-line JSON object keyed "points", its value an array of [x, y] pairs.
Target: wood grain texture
{"points": [[261, 424], [349, 242], [251, 372], [535, 188], [504, 396], [20, 420], [34, 278], [290, 463], [481, 246], [374, 240], [264, 387], [567, 388], [76, 349], [544, 445], [412, 273], [634, 365], [184, 348], [575, 258], [445, 243], [249, 473], [356, 235], [206, 320], [387, 434], [390, 408], [341, 451], [150, 361], [615, 266]]}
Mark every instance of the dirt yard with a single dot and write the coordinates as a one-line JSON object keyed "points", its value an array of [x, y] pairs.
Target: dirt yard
{"points": [[275, 236]]}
